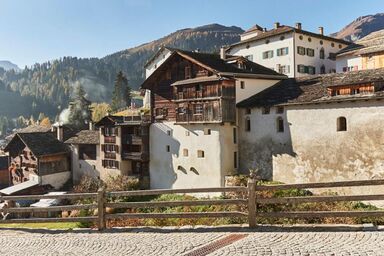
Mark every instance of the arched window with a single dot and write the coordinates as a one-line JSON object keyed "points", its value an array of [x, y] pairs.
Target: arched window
{"points": [[280, 124], [322, 69], [322, 53], [341, 124]]}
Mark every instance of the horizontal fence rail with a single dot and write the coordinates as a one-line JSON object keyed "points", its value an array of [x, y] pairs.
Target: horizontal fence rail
{"points": [[99, 204]]}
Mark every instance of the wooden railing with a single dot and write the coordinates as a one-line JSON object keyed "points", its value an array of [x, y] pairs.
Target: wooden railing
{"points": [[248, 198]]}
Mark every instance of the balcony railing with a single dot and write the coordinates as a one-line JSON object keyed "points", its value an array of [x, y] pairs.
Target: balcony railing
{"points": [[109, 155], [110, 139], [132, 139], [138, 156]]}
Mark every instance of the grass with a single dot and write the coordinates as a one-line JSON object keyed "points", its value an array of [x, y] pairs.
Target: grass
{"points": [[60, 225]]}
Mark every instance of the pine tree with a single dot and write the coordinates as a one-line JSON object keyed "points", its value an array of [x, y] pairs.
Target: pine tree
{"points": [[79, 109], [121, 96]]}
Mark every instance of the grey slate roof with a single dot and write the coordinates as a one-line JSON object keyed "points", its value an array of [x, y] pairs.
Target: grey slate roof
{"points": [[41, 144], [372, 43], [85, 137], [313, 89]]}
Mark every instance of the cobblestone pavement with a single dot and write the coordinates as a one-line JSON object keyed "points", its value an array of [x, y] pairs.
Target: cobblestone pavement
{"points": [[168, 242]]}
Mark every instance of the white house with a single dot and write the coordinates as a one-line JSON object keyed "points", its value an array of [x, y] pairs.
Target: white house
{"points": [[289, 50]]}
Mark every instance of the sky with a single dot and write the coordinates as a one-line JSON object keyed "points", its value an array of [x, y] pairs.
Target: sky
{"points": [[34, 31]]}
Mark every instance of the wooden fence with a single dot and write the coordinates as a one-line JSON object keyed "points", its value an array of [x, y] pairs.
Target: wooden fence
{"points": [[103, 200]]}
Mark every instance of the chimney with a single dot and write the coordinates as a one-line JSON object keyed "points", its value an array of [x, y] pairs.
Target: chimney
{"points": [[91, 126], [298, 25], [60, 132], [321, 30], [264, 29], [222, 53], [277, 25]]}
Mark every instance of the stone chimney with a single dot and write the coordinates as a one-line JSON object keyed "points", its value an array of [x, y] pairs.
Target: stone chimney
{"points": [[222, 53], [91, 126], [321, 30], [298, 25], [60, 132], [277, 25]]}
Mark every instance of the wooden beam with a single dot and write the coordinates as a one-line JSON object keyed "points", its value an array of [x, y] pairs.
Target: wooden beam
{"points": [[320, 214], [38, 197], [310, 199], [48, 209], [174, 215], [44, 220]]}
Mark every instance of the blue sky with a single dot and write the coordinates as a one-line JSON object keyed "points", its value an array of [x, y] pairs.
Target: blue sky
{"points": [[39, 30]]}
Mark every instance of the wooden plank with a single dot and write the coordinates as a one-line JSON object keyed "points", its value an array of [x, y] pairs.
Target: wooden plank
{"points": [[176, 203], [321, 185], [174, 215], [38, 197], [45, 220], [49, 209], [101, 223], [310, 199], [320, 214], [176, 191], [252, 203]]}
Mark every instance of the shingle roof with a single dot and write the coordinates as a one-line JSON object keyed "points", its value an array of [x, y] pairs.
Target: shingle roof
{"points": [[313, 89], [85, 137], [286, 29], [40, 144], [374, 42]]}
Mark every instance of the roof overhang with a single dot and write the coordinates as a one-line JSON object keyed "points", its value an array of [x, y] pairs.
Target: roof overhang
{"points": [[256, 76]]}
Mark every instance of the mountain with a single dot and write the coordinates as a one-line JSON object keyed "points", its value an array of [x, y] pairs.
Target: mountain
{"points": [[7, 65], [53, 82], [361, 27]]}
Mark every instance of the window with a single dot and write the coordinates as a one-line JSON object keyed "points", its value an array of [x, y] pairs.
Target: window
{"points": [[322, 53], [333, 44], [168, 148], [249, 57], [168, 75], [110, 131], [321, 42], [301, 37], [267, 54], [110, 148], [310, 52], [200, 153], [248, 111], [169, 132], [301, 68], [267, 41], [235, 160], [341, 124], [280, 124], [340, 46], [332, 56], [282, 37], [322, 69], [279, 110], [282, 51], [110, 164], [186, 133], [284, 69], [242, 84], [187, 73], [185, 152], [234, 135], [198, 109], [87, 152], [207, 131], [355, 91], [311, 70], [309, 39], [247, 124], [265, 110], [300, 50], [199, 87]]}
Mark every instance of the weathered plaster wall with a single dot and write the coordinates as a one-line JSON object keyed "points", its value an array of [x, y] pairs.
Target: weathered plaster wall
{"points": [[56, 180], [174, 170], [311, 149], [252, 87], [82, 168]]}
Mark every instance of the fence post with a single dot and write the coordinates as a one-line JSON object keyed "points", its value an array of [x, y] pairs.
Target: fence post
{"points": [[252, 202], [101, 208]]}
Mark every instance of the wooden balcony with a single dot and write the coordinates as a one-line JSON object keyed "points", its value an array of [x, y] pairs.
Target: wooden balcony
{"points": [[136, 156], [110, 139], [132, 139], [109, 155]]}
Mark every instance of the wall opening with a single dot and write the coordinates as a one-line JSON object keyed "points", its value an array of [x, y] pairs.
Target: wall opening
{"points": [[341, 124]]}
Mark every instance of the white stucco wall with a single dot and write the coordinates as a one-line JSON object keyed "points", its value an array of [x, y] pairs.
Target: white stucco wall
{"points": [[82, 168], [208, 171], [56, 180], [348, 61], [311, 149], [251, 87]]}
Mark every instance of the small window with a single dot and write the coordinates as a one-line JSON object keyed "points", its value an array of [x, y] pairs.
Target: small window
{"points": [[322, 69], [311, 70], [280, 124], [207, 131], [280, 110], [341, 124], [242, 84], [300, 50], [186, 133], [333, 44], [322, 53], [268, 54], [355, 91], [168, 148], [265, 110], [321, 42], [310, 52], [282, 37], [235, 160], [301, 68], [169, 132], [249, 57], [187, 72], [282, 51], [340, 46], [168, 75], [309, 39], [248, 46], [332, 56], [198, 109], [234, 135], [301, 37], [267, 41], [248, 111], [247, 124], [185, 152], [200, 153]]}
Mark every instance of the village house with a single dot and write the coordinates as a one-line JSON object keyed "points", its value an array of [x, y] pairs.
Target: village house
{"points": [[365, 53], [4, 173], [289, 50], [193, 137], [39, 159], [315, 129]]}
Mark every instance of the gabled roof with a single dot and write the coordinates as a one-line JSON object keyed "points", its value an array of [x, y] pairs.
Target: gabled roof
{"points": [[313, 89], [372, 43], [41, 144], [157, 54], [286, 29], [85, 137], [120, 120]]}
